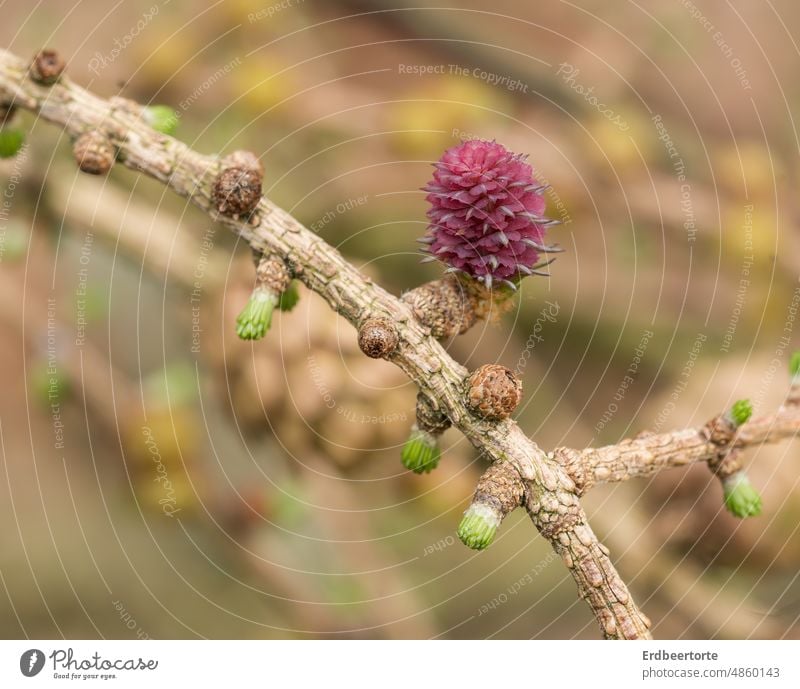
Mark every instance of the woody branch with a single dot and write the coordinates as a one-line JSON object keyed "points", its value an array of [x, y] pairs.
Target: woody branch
{"points": [[403, 331], [649, 453]]}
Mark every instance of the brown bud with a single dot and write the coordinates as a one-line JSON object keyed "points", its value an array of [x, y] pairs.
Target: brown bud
{"points": [[273, 273], [47, 67], [245, 159], [720, 430], [445, 306], [94, 153], [237, 190], [430, 419], [377, 337], [493, 392]]}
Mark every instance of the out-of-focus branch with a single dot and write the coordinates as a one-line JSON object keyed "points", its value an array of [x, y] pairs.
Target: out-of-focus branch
{"points": [[152, 236]]}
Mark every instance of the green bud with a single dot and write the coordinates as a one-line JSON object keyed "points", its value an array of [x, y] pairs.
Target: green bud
{"points": [[162, 118], [740, 412], [478, 526], [11, 141], [288, 299], [254, 320], [421, 452], [794, 365], [741, 499]]}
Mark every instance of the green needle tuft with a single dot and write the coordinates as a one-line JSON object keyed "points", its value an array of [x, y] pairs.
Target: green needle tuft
{"points": [[421, 452], [478, 526], [288, 299], [256, 317], [11, 141], [741, 499], [741, 412]]}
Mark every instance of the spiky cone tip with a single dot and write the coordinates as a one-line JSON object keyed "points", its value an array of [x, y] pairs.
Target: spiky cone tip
{"points": [[740, 413], [256, 317], [741, 499], [478, 526], [421, 452], [487, 215]]}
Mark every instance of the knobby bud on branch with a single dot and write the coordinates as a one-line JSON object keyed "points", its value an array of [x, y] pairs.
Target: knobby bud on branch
{"points": [[499, 492], [421, 452], [740, 498], [272, 281]]}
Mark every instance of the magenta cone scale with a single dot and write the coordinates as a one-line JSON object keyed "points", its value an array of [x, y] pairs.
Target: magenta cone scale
{"points": [[487, 214]]}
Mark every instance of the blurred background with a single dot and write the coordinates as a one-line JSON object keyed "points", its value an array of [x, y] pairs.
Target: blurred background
{"points": [[163, 479]]}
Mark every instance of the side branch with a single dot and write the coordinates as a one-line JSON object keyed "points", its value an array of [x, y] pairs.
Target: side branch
{"points": [[649, 453]]}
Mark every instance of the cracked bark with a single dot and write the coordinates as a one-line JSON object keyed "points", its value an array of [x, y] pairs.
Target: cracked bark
{"points": [[553, 482]]}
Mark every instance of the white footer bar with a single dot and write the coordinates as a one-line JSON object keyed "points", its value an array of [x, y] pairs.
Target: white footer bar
{"points": [[409, 664]]}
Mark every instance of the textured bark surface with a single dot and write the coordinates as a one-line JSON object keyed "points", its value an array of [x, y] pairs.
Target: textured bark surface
{"points": [[649, 453], [430, 418], [271, 272], [552, 482], [501, 488], [444, 306], [600, 585]]}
